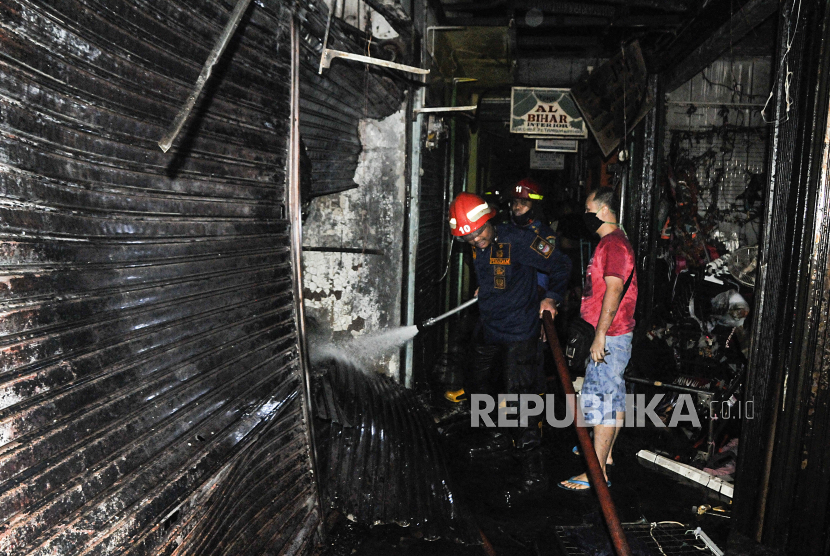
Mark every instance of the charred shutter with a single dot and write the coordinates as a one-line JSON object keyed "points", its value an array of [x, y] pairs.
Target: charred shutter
{"points": [[150, 390], [333, 103], [433, 236]]}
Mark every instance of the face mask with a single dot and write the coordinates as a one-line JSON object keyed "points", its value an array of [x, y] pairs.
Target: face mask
{"points": [[592, 222], [522, 220]]}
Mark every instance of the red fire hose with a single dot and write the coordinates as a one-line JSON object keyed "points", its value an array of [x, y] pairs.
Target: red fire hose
{"points": [[609, 512]]}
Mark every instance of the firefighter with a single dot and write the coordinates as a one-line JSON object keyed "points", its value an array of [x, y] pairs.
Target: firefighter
{"points": [[506, 259], [526, 212]]}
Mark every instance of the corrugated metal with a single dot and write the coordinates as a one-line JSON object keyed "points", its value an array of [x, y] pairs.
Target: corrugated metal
{"points": [[431, 260], [381, 460], [149, 379], [333, 103]]}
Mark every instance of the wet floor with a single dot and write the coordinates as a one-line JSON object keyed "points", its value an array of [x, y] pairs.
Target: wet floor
{"points": [[529, 526]]}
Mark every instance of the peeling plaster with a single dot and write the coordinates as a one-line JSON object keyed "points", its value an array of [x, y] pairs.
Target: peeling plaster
{"points": [[355, 293]]}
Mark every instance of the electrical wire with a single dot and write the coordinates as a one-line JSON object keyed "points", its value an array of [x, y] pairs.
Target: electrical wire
{"points": [[788, 75], [449, 259]]}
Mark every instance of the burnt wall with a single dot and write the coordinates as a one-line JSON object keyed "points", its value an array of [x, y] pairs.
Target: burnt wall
{"points": [[352, 122], [150, 386]]}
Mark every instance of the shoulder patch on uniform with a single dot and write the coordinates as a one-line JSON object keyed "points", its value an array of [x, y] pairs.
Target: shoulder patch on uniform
{"points": [[542, 247]]}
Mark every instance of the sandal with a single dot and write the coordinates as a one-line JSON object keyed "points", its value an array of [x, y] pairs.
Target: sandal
{"points": [[574, 480]]}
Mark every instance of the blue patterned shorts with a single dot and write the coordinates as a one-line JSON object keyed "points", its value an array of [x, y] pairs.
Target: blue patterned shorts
{"points": [[603, 392]]}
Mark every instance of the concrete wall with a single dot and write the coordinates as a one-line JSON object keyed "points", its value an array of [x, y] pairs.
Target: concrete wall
{"points": [[359, 293]]}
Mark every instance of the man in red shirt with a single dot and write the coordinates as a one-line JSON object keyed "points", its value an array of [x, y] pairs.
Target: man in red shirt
{"points": [[612, 314]]}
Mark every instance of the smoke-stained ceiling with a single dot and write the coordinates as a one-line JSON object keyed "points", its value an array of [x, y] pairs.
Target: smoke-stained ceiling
{"points": [[550, 42]]}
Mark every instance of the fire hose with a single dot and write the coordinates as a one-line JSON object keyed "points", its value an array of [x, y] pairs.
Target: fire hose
{"points": [[433, 320], [609, 511]]}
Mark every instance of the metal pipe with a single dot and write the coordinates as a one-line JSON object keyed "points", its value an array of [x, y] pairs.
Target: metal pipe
{"points": [[441, 109], [330, 54], [296, 235], [355, 250], [431, 51], [414, 223], [213, 57], [715, 104], [675, 387], [433, 320], [609, 512]]}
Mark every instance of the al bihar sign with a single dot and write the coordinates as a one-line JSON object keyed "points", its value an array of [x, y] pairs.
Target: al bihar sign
{"points": [[540, 111]]}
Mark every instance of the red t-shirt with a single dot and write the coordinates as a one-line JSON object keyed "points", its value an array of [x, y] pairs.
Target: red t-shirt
{"points": [[614, 256]]}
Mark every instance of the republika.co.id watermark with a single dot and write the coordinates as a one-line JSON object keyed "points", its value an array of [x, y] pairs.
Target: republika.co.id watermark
{"points": [[515, 410]]}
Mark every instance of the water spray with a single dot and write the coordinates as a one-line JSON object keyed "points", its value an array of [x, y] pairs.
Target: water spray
{"points": [[433, 320], [364, 350]]}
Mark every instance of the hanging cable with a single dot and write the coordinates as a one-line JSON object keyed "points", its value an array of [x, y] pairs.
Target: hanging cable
{"points": [[449, 258], [788, 74]]}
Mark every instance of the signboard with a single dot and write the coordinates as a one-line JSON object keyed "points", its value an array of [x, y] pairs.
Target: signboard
{"points": [[615, 97], [558, 145], [546, 160], [541, 111]]}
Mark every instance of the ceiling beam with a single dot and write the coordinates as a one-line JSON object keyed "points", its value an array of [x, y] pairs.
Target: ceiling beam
{"points": [[556, 40], [650, 21], [752, 14], [677, 6]]}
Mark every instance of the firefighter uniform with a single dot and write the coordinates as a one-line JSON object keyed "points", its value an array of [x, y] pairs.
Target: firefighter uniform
{"points": [[506, 272], [505, 346], [506, 260]]}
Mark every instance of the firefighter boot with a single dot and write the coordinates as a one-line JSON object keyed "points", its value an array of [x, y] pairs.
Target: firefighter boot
{"points": [[533, 482]]}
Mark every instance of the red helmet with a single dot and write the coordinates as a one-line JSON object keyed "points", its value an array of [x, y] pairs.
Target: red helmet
{"points": [[468, 213], [527, 189]]}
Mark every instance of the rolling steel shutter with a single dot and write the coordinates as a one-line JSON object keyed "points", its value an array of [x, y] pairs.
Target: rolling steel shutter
{"points": [[333, 103], [150, 386], [433, 236]]}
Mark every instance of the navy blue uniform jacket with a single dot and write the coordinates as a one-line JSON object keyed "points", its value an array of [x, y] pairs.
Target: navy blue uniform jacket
{"points": [[547, 233], [506, 272]]}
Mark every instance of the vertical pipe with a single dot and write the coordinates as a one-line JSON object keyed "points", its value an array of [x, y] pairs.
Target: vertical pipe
{"points": [[623, 193], [459, 293], [296, 233], [472, 163], [414, 221], [647, 196]]}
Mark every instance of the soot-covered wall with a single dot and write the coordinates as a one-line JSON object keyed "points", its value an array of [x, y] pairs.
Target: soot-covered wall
{"points": [[150, 386], [353, 125], [359, 293]]}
